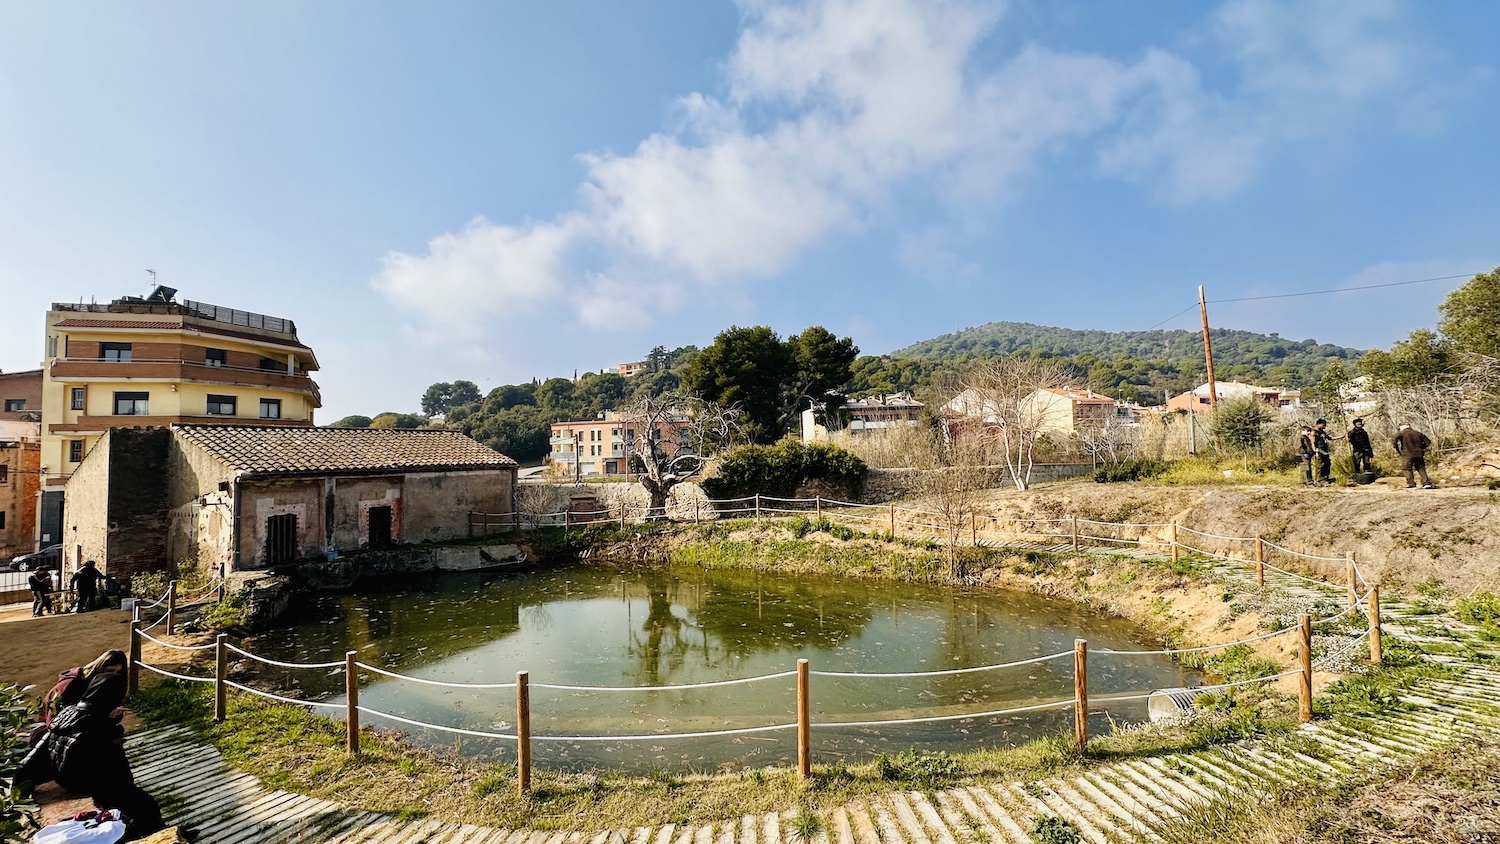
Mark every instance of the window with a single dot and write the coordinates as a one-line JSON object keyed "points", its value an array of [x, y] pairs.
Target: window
{"points": [[2, 520], [52, 347], [268, 364], [281, 538], [213, 357], [132, 404], [270, 408], [4, 473], [220, 405], [15, 405], [75, 451], [114, 351], [76, 397]]}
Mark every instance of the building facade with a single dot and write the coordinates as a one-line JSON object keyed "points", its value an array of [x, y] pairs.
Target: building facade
{"points": [[252, 497], [1068, 410], [21, 396], [154, 362], [592, 447], [874, 413], [1197, 400]]}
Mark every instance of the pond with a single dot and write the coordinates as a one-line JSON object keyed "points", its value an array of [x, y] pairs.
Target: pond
{"points": [[594, 626]]}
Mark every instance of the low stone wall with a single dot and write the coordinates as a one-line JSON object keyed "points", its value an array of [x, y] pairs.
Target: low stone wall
{"points": [[345, 571]]}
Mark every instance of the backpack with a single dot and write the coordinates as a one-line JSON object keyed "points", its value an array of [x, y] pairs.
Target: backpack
{"points": [[68, 691]]}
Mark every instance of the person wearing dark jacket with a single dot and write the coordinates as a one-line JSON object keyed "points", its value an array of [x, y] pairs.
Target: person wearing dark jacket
{"points": [[85, 583], [1360, 448], [40, 583], [1323, 451], [1305, 452], [86, 745], [1412, 446]]}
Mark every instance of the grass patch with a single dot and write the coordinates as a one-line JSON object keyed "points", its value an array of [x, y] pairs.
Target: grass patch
{"points": [[1235, 663], [1379, 690]]}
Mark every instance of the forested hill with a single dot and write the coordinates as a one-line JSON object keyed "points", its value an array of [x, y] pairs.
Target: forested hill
{"points": [[1131, 365]]}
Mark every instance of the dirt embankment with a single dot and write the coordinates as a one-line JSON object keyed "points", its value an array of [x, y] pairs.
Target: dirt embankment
{"points": [[1399, 536]]}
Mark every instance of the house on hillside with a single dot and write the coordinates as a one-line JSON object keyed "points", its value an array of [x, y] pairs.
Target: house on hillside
{"points": [[1197, 399], [1060, 411], [588, 448], [253, 497]]}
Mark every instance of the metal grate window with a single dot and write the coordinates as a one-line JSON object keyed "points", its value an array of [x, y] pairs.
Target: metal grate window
{"points": [[281, 538]]}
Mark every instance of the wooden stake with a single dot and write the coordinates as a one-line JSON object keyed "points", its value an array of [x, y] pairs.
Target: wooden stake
{"points": [[974, 529], [1073, 525], [1373, 611], [221, 673], [804, 723], [1081, 693], [1351, 575], [757, 505], [172, 608], [622, 515], [819, 500], [1260, 561], [351, 700], [1304, 679], [133, 670], [523, 733], [1174, 542], [893, 520]]}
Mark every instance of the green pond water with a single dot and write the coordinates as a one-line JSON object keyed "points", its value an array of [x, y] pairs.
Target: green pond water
{"points": [[594, 626]]}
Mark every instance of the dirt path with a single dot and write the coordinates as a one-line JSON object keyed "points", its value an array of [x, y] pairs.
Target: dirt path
{"points": [[34, 650]]}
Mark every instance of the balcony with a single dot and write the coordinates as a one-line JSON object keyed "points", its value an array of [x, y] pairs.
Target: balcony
{"points": [[93, 369], [102, 423]]}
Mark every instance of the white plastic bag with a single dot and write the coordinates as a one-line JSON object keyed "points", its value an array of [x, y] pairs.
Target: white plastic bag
{"points": [[81, 832]]}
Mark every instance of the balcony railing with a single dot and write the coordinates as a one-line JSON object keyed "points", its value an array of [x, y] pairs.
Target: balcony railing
{"points": [[86, 369]]}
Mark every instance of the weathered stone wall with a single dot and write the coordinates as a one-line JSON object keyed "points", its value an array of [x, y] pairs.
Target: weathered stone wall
{"points": [[437, 505], [139, 511], [686, 500], [86, 509]]}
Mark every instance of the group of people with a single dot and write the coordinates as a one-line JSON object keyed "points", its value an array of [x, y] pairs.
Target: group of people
{"points": [[79, 743], [1316, 446], [83, 585]]}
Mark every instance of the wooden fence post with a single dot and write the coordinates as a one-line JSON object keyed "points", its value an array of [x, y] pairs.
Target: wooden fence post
{"points": [[1373, 611], [1352, 575], [221, 673], [1073, 529], [1081, 693], [172, 608], [974, 529], [819, 504], [1260, 561], [893, 520], [804, 723], [565, 524], [1304, 678], [757, 505], [221, 590], [133, 669], [1174, 542], [351, 700], [523, 733], [622, 515]]}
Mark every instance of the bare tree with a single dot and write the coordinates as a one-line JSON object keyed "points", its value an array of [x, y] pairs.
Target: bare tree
{"points": [[998, 396], [675, 435], [954, 477], [1111, 442]]}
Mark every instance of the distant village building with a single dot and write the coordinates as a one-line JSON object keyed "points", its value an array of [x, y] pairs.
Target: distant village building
{"points": [[252, 497], [1197, 399], [589, 448], [20, 460], [633, 368], [157, 361], [1060, 411], [875, 413]]}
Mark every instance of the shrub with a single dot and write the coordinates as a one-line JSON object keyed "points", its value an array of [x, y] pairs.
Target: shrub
{"points": [[17, 810], [925, 770], [780, 469], [1129, 470], [1050, 829], [1479, 608]]}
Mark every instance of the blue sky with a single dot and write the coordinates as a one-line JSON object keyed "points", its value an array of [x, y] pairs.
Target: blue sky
{"points": [[496, 191]]}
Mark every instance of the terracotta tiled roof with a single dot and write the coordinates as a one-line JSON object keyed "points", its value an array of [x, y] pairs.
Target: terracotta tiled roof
{"points": [[121, 323], [268, 451]]}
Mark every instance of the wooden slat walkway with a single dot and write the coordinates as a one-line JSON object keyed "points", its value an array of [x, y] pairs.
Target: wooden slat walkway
{"points": [[1122, 801]]}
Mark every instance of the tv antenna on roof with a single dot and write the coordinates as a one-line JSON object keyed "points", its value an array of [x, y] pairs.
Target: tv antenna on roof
{"points": [[152, 273]]}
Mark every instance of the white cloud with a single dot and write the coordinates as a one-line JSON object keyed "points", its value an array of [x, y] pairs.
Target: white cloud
{"points": [[834, 107]]}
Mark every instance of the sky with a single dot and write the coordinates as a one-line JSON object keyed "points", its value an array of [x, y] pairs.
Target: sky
{"points": [[497, 191]]}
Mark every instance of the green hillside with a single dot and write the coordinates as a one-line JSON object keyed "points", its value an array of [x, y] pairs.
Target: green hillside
{"points": [[1129, 365]]}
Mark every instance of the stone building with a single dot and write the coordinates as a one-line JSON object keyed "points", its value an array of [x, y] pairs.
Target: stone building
{"points": [[254, 497]]}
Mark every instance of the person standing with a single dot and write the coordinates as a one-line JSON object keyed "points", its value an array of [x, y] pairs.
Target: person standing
{"points": [[85, 585], [1323, 451], [1360, 448], [40, 583], [1305, 451], [1412, 446]]}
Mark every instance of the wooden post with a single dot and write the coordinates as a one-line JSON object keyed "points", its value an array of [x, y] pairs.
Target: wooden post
{"points": [[804, 723], [757, 505], [1073, 528], [1373, 611], [523, 733], [1352, 576], [133, 669], [172, 608], [622, 515], [893, 520], [1174, 542], [974, 529], [221, 590], [1304, 679], [351, 700], [819, 500], [221, 673], [1260, 561], [1081, 693], [565, 524]]}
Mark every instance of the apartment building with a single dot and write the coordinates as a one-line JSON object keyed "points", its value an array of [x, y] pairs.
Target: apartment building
{"points": [[873, 413], [156, 361], [601, 446]]}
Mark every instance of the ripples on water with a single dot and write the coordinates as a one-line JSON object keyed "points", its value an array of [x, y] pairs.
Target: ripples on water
{"points": [[599, 627]]}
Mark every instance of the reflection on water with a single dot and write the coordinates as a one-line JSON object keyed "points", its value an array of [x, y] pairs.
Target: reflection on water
{"points": [[597, 627]]}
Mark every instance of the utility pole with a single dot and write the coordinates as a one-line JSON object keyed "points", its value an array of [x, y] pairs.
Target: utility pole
{"points": [[1208, 352]]}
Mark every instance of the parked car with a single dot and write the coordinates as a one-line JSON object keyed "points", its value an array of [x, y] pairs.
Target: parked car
{"points": [[49, 557]]}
